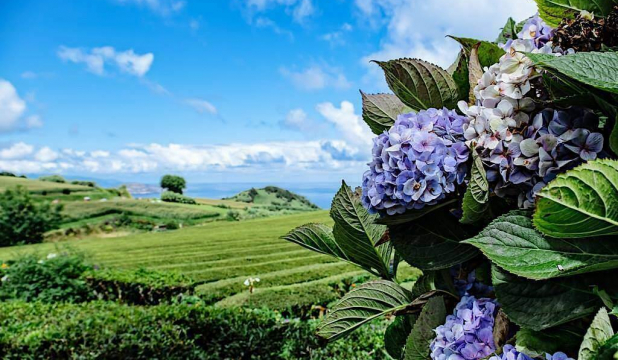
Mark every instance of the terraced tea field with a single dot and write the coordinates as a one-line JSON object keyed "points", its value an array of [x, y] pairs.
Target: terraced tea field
{"points": [[221, 255]]}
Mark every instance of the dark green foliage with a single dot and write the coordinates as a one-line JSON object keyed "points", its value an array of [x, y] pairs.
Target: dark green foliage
{"points": [[84, 183], [169, 196], [53, 178], [7, 173], [57, 278], [138, 287], [24, 221], [111, 331], [173, 183]]}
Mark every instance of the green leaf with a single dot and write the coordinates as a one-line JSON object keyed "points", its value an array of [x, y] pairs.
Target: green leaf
{"points": [[381, 110], [488, 52], [613, 137], [512, 243], [424, 284], [509, 31], [582, 202], [476, 198], [537, 343], [361, 305], [543, 304], [597, 69], [419, 84], [598, 333], [553, 11], [459, 72], [356, 233], [609, 350], [432, 243], [413, 215], [397, 333], [432, 316]]}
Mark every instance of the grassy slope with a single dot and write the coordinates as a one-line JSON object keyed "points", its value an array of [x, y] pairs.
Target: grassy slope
{"points": [[7, 182], [273, 196], [222, 255]]}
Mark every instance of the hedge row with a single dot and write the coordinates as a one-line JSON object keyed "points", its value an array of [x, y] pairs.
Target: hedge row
{"points": [[111, 331]]}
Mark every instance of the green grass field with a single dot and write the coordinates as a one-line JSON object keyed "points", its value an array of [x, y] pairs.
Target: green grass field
{"points": [[221, 255], [7, 182]]}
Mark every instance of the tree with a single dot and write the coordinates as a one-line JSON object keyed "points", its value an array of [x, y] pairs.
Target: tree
{"points": [[24, 221], [173, 183]]}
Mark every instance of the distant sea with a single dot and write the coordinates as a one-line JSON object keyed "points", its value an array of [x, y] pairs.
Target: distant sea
{"points": [[320, 194]]}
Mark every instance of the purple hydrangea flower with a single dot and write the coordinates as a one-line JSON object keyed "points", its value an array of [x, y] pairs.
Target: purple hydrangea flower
{"points": [[467, 284], [536, 31], [510, 353], [468, 333], [419, 160], [557, 356]]}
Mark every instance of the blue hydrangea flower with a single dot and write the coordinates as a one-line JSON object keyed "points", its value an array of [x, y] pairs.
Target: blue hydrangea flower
{"points": [[536, 31], [468, 333], [467, 284], [510, 353], [419, 160], [557, 356]]}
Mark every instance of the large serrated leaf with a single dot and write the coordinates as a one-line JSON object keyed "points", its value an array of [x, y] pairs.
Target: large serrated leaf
{"points": [[432, 316], [488, 52], [582, 202], [419, 84], [508, 32], [609, 350], [597, 69], [598, 333], [361, 305], [397, 333], [459, 72], [356, 233], [553, 11], [543, 304], [512, 243], [563, 338], [381, 110], [476, 198], [432, 243]]}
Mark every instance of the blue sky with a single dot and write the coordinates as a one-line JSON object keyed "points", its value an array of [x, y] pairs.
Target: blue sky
{"points": [[240, 90]]}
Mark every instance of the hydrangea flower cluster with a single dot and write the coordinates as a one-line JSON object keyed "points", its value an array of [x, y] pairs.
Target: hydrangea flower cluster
{"points": [[416, 162], [510, 353], [468, 333], [468, 284], [522, 149]]}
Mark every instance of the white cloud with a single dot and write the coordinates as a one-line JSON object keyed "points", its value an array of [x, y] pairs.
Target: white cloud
{"points": [[264, 22], [46, 154], [316, 78], [418, 28], [95, 60], [99, 154], [161, 7], [12, 110], [16, 151], [335, 38], [298, 9], [202, 106], [349, 124]]}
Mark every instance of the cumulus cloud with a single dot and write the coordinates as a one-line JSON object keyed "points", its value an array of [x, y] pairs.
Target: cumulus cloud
{"points": [[202, 106], [418, 28], [316, 77], [349, 124], [95, 59], [13, 110], [336, 38], [16, 151], [46, 154], [161, 7]]}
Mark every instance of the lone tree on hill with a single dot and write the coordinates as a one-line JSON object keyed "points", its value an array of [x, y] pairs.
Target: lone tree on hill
{"points": [[173, 183]]}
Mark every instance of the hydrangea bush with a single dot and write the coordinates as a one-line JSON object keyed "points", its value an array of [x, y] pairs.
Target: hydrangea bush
{"points": [[498, 179]]}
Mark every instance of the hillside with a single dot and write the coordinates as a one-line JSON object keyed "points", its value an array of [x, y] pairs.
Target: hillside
{"points": [[274, 197], [221, 255]]}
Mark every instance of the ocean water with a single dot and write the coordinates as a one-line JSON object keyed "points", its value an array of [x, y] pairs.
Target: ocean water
{"points": [[320, 194]]}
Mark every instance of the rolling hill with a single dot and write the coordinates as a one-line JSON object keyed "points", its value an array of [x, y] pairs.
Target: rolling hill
{"points": [[274, 197]]}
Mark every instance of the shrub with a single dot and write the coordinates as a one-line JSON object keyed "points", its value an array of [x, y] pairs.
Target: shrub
{"points": [[169, 196], [138, 287], [84, 183], [112, 331], [52, 279], [24, 221], [53, 178], [234, 215], [173, 183], [7, 173]]}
